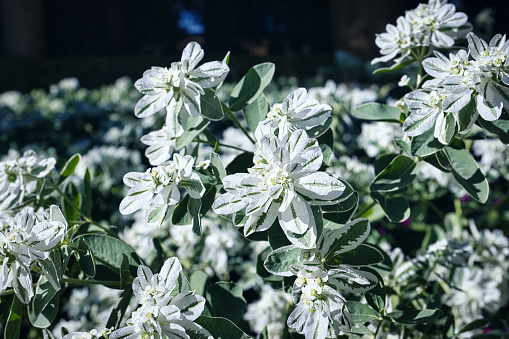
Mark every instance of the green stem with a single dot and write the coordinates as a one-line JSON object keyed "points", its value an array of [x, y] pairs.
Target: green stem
{"points": [[365, 209], [229, 112], [90, 282], [378, 328], [223, 145], [434, 207]]}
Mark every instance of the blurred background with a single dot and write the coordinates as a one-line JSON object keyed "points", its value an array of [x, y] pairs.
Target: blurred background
{"points": [[98, 41]]}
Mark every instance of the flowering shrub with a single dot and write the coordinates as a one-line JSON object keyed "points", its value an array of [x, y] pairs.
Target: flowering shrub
{"points": [[360, 219]]}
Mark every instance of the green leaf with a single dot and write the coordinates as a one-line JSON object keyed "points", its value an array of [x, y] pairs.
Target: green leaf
{"points": [[217, 164], [348, 237], [326, 143], [256, 112], [376, 296], [500, 127], [108, 253], [193, 207], [194, 126], [278, 262], [362, 255], [13, 325], [383, 161], [251, 86], [345, 211], [226, 300], [87, 193], [361, 313], [277, 238], [467, 115], [199, 281], [241, 163], [85, 257], [400, 173], [466, 171], [394, 67], [119, 309], [415, 316], [74, 195], [474, 325], [221, 328], [319, 130], [43, 309], [69, 167], [395, 208], [181, 215], [211, 107], [124, 271], [377, 112], [402, 145], [425, 144]]}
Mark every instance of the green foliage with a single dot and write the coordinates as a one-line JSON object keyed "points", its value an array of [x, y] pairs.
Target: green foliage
{"points": [[221, 328], [251, 86], [69, 167], [13, 325], [377, 112], [226, 300]]}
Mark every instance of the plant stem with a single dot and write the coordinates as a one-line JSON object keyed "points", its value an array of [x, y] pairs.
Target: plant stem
{"points": [[223, 145], [365, 209], [378, 328], [90, 282], [434, 207], [229, 112]]}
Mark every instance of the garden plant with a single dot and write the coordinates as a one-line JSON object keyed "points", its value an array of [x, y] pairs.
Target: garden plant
{"points": [[263, 209]]}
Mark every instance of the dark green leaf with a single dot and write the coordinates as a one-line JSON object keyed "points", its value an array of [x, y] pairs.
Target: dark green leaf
{"points": [[349, 236], [256, 112], [375, 297], [277, 238], [402, 145], [221, 328], [467, 115], [337, 219], [326, 142], [118, 311], [500, 127], [218, 166], [362, 255], [425, 144], [251, 86], [43, 309], [13, 326], [415, 316], [241, 163], [279, 261], [85, 257], [124, 271], [361, 313], [193, 128], [400, 173], [70, 210], [69, 167], [211, 106], [226, 300], [87, 193], [394, 67], [319, 130], [474, 325], [467, 173], [395, 208], [193, 207], [383, 161], [377, 112], [181, 215]]}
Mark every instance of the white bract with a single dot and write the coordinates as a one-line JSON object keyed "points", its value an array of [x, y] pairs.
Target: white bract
{"points": [[320, 308], [29, 240], [167, 308], [434, 24], [161, 145], [19, 177], [295, 112], [284, 182], [178, 88], [158, 188]]}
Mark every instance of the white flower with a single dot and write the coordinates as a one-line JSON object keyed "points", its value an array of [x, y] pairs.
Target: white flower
{"points": [[436, 24], [92, 334], [159, 188], [320, 309], [435, 108], [377, 137], [295, 112], [178, 88], [27, 241], [283, 184], [492, 74], [161, 145], [403, 82], [19, 177], [162, 311]]}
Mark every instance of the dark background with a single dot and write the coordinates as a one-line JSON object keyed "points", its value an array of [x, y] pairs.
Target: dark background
{"points": [[98, 41]]}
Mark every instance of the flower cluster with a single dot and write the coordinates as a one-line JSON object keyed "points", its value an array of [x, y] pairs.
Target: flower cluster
{"points": [[25, 239], [433, 24], [158, 188], [19, 177], [463, 89], [167, 306], [284, 183], [178, 88]]}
